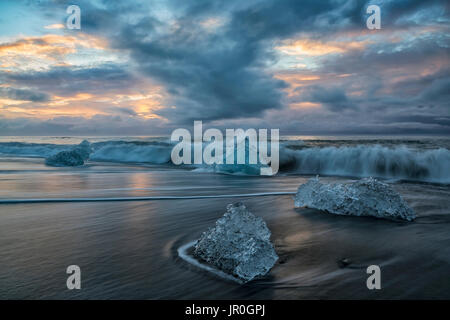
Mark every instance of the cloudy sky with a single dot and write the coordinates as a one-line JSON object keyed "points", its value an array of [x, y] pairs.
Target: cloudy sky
{"points": [[307, 67]]}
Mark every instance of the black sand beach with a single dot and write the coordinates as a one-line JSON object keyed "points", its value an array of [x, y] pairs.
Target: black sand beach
{"points": [[128, 250]]}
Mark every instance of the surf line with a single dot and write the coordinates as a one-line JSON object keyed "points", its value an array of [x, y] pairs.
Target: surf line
{"points": [[183, 254], [153, 198]]}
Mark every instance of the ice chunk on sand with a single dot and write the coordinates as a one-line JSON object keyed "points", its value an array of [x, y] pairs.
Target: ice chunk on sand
{"points": [[366, 197], [74, 157], [65, 158], [239, 244], [84, 149]]}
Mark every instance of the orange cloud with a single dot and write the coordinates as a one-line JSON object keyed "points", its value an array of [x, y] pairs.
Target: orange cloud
{"points": [[316, 48], [5, 102], [296, 80], [141, 102], [45, 51], [56, 100], [304, 105], [55, 26]]}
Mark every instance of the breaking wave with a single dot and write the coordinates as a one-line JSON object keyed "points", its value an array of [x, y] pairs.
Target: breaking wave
{"points": [[112, 151], [118, 151], [431, 165], [31, 149], [390, 162]]}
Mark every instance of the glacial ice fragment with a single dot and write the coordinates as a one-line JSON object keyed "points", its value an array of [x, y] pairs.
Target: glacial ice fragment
{"points": [[366, 197], [239, 244], [74, 157], [65, 158], [84, 149]]}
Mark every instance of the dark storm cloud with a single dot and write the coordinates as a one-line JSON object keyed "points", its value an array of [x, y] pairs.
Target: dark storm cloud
{"points": [[214, 74], [122, 110], [219, 74], [396, 11], [223, 74], [375, 71], [223, 71], [97, 125], [382, 57], [23, 94], [438, 90], [424, 119], [208, 77], [419, 84], [66, 81], [334, 98]]}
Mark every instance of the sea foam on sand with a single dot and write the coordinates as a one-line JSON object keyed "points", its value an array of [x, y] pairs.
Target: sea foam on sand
{"points": [[366, 197]]}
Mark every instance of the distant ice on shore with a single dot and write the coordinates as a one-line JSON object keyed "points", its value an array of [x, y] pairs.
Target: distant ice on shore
{"points": [[71, 158], [424, 160]]}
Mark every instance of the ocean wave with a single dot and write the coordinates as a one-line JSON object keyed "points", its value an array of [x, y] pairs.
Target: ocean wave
{"points": [[111, 151], [371, 161], [389, 162], [400, 163], [32, 149], [154, 153]]}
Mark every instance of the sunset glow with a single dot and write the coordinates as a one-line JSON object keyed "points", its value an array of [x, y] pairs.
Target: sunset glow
{"points": [[183, 67]]}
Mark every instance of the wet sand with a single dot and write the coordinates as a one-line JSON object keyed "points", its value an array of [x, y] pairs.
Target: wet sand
{"points": [[128, 250]]}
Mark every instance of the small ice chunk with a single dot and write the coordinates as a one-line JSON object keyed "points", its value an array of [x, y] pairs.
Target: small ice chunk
{"points": [[239, 244], [366, 197], [84, 149], [74, 157], [65, 158]]}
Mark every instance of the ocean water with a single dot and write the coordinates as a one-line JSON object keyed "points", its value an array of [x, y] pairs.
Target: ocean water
{"points": [[129, 249]]}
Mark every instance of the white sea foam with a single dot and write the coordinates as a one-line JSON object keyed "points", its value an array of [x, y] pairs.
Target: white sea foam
{"points": [[183, 254], [130, 152], [378, 161]]}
